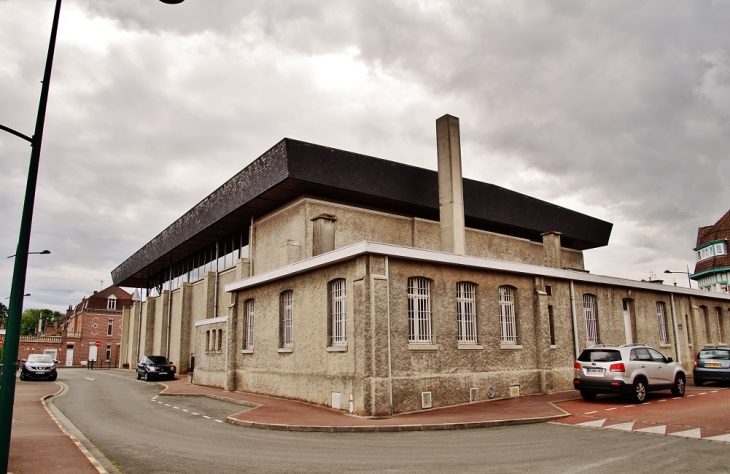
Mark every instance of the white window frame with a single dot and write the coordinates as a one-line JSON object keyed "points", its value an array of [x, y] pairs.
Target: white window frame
{"points": [[589, 311], [287, 319], [108, 352], [249, 325], [661, 313], [338, 312], [419, 310], [466, 312], [507, 316], [110, 327], [111, 302]]}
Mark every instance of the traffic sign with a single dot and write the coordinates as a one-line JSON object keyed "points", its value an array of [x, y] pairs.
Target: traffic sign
{"points": [[2, 341], [97, 343]]}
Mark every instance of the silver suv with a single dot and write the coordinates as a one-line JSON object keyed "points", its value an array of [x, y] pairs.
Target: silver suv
{"points": [[632, 369]]}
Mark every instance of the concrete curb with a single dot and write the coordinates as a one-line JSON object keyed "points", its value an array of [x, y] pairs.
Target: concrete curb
{"points": [[393, 428]]}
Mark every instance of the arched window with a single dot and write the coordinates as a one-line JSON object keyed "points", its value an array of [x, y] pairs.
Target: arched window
{"points": [[661, 314], [466, 312], [111, 302], [419, 310], [507, 315], [591, 316]]}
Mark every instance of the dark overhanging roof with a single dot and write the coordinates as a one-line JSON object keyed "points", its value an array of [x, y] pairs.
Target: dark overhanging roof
{"points": [[292, 168]]}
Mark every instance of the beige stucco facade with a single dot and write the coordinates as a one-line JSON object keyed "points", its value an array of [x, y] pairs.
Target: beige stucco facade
{"points": [[378, 369]]}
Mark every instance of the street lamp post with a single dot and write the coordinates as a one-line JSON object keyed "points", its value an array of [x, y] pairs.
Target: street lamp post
{"points": [[17, 289], [689, 281]]}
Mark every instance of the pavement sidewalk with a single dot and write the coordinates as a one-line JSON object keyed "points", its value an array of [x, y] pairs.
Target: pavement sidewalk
{"points": [[40, 444]]}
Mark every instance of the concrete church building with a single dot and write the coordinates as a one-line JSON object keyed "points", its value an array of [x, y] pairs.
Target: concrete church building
{"points": [[371, 286]]}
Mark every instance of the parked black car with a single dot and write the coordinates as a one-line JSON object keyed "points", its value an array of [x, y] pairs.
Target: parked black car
{"points": [[38, 366], [155, 367]]}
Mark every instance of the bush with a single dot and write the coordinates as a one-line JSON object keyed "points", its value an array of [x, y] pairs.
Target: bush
{"points": [[2, 354]]}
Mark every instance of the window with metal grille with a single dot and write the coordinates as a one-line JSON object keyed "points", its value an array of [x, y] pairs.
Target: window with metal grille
{"points": [[419, 310], [589, 310], [661, 314], [338, 313], [248, 328], [507, 316], [466, 312], [287, 319]]}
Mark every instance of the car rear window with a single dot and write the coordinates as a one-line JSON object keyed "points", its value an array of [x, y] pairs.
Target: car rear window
{"points": [[717, 354], [599, 355]]}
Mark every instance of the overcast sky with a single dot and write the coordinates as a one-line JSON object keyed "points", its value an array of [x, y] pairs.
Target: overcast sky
{"points": [[620, 110]]}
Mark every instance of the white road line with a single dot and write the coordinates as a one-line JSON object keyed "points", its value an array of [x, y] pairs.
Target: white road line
{"points": [[622, 426], [609, 409], [660, 401], [661, 429], [595, 424], [694, 433], [88, 378], [206, 417], [196, 414], [590, 412], [219, 421]]}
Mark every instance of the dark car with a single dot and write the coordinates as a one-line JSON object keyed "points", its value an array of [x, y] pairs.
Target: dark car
{"points": [[155, 367], [712, 364], [38, 366]]}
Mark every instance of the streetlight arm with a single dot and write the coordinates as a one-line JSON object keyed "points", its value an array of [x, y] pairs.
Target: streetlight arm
{"points": [[16, 133]]}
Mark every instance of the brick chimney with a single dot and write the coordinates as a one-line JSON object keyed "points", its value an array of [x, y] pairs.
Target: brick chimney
{"points": [[451, 195]]}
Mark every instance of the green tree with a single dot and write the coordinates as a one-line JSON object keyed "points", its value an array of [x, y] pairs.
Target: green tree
{"points": [[29, 320], [3, 316]]}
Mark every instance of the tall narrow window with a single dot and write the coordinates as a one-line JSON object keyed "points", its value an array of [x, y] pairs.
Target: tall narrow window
{"points": [[706, 320], [287, 319], [507, 317], [419, 310], [661, 314], [338, 313], [589, 310], [220, 340], [110, 327], [689, 329], [551, 325], [720, 329], [248, 330], [207, 341], [108, 352], [111, 302], [466, 312]]}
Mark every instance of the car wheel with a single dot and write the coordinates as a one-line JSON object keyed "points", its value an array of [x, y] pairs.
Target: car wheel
{"points": [[699, 382], [22, 375], [639, 394], [679, 386], [588, 395], [53, 377], [138, 376], [145, 377]]}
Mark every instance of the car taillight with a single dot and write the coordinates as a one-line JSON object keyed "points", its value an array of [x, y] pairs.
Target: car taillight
{"points": [[617, 367], [696, 357], [577, 366]]}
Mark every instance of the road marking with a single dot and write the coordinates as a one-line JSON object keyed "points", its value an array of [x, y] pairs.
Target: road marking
{"points": [[661, 429], [596, 424], [703, 393], [621, 426], [609, 409], [167, 405], [660, 401], [88, 378], [725, 438], [176, 408], [694, 433], [206, 417], [590, 412], [629, 406], [219, 421], [196, 414], [185, 410], [690, 396]]}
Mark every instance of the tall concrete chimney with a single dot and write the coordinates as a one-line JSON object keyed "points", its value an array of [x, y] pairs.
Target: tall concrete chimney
{"points": [[451, 195]]}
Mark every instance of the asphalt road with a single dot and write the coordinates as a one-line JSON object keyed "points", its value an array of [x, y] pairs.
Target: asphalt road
{"points": [[145, 433]]}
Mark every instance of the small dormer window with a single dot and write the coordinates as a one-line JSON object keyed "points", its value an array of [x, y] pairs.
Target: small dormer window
{"points": [[111, 302]]}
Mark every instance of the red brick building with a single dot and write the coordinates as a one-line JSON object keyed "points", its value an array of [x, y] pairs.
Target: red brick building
{"points": [[712, 270], [96, 318]]}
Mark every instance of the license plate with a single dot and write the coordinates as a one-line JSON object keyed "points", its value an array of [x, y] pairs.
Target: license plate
{"points": [[594, 371], [713, 364], [163, 373], [40, 372]]}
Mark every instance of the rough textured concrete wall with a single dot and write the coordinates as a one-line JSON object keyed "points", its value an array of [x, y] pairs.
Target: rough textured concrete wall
{"points": [[273, 231], [210, 359], [176, 326], [501, 247], [308, 371]]}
